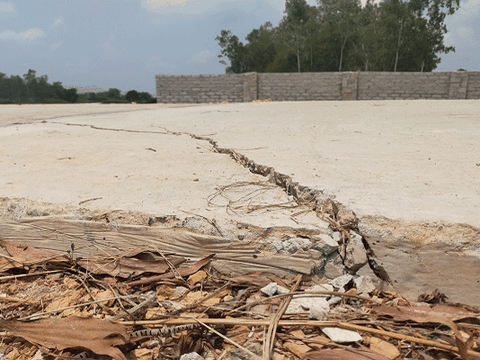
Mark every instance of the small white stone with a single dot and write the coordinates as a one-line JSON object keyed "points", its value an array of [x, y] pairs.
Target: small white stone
{"points": [[341, 335], [340, 282], [364, 285], [191, 356], [270, 289]]}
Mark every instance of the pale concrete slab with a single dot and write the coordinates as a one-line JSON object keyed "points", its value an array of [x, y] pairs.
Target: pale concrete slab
{"points": [[416, 162], [413, 160]]}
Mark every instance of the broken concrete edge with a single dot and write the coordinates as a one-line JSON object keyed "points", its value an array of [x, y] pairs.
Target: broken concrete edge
{"points": [[340, 218]]}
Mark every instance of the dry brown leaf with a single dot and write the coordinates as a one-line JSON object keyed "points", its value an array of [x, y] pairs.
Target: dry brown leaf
{"points": [[297, 347], [22, 256], [182, 271], [197, 277], [141, 354], [12, 355], [318, 342], [136, 263], [298, 334], [461, 344], [99, 336], [344, 354], [420, 313], [277, 356], [383, 347], [435, 297], [256, 278]]}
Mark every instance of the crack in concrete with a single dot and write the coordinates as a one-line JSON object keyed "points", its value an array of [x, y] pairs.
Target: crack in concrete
{"points": [[44, 120], [340, 218]]}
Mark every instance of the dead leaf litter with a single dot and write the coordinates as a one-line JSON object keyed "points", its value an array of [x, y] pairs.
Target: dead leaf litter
{"points": [[71, 308]]}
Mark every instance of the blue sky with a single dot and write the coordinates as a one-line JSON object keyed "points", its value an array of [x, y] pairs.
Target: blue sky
{"points": [[125, 43]]}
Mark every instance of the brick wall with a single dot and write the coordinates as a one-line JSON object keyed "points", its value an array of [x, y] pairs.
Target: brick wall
{"points": [[392, 86], [473, 87], [318, 86], [199, 88], [300, 86]]}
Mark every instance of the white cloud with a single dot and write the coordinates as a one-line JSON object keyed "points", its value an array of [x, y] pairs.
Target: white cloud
{"points": [[27, 35], [7, 8], [57, 23], [202, 57]]}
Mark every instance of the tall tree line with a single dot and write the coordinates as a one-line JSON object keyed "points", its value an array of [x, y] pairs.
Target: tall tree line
{"points": [[33, 89], [344, 35]]}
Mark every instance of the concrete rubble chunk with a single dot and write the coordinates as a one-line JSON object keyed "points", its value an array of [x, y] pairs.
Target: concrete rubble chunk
{"points": [[325, 243], [277, 245], [291, 245], [273, 288], [316, 306], [337, 236], [341, 281], [191, 356], [341, 335], [320, 288], [355, 254], [305, 243], [270, 289], [282, 290], [364, 285], [333, 270]]}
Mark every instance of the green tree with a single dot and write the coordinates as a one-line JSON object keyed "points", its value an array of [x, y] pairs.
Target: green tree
{"points": [[292, 31], [114, 94], [145, 97], [70, 95], [132, 96], [233, 50]]}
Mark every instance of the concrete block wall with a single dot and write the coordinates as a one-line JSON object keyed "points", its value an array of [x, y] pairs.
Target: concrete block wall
{"points": [[473, 86], [403, 85], [199, 88], [299, 86], [318, 86]]}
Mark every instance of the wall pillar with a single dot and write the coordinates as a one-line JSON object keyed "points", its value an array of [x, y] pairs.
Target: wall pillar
{"points": [[250, 87], [458, 85], [349, 90]]}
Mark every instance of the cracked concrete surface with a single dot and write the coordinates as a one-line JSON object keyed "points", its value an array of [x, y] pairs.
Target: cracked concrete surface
{"points": [[409, 169]]}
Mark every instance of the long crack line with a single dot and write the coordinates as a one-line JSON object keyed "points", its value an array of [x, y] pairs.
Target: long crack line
{"points": [[339, 216]]}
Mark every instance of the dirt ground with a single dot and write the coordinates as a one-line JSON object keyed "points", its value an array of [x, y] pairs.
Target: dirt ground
{"points": [[410, 170]]}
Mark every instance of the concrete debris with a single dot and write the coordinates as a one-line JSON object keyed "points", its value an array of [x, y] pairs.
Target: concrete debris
{"points": [[273, 288], [291, 245], [270, 289], [341, 336], [337, 236], [180, 290], [364, 285], [355, 254], [320, 288], [277, 245], [316, 306], [341, 281], [191, 356], [333, 270], [324, 243]]}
